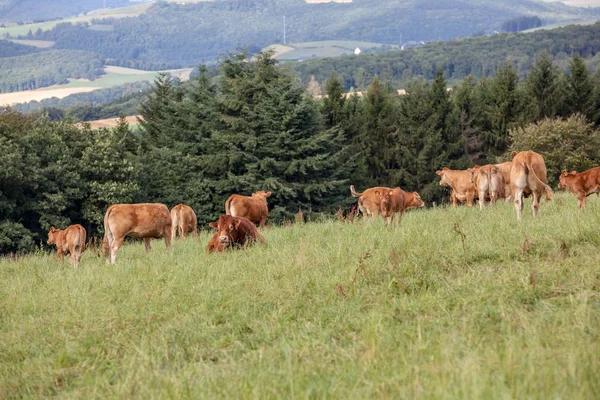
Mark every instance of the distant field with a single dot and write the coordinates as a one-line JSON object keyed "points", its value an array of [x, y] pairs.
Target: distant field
{"points": [[42, 44], [453, 303], [577, 3], [330, 48], [563, 24], [130, 11], [329, 1], [112, 122], [114, 76]]}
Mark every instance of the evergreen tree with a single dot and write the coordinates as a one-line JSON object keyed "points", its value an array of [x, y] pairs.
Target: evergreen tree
{"points": [[543, 87], [465, 109], [579, 90]]}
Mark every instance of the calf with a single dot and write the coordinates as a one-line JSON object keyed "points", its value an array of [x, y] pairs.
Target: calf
{"points": [[369, 201], [70, 240], [528, 175], [582, 184], [398, 201], [488, 180], [233, 232], [462, 189], [254, 208], [146, 220], [183, 220]]}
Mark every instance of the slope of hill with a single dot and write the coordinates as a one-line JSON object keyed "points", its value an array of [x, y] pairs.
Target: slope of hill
{"points": [[452, 303], [187, 34], [479, 56], [31, 10]]}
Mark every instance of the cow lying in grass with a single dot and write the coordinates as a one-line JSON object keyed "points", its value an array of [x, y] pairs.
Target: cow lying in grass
{"points": [[233, 232]]}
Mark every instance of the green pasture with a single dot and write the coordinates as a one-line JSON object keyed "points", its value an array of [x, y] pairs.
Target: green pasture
{"points": [[328, 48], [450, 303]]}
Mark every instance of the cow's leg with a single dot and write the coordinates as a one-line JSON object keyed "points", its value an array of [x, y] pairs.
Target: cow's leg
{"points": [[481, 199], [173, 231], [116, 244], [518, 200], [167, 239], [581, 202], [61, 255], [262, 223], [183, 231], [470, 198], [147, 244], [77, 251], [535, 206]]}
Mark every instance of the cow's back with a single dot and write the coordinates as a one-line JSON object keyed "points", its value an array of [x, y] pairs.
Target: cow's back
{"points": [[254, 209], [138, 220]]}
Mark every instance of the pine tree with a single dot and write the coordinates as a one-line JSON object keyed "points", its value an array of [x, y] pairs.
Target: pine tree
{"points": [[579, 90], [543, 87]]}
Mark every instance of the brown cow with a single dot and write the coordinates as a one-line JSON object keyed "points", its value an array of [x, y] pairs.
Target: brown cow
{"points": [[183, 220], [505, 169], [233, 232], [582, 184], [146, 220], [460, 183], [489, 182], [528, 175], [253, 208], [70, 240], [398, 201], [369, 201]]}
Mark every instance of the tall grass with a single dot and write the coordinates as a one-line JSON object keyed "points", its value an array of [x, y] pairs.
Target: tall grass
{"points": [[451, 303]]}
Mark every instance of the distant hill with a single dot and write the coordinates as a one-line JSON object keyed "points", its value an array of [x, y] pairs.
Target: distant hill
{"points": [[172, 35], [32, 10]]}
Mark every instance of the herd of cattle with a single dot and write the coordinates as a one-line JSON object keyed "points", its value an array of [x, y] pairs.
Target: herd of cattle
{"points": [[525, 176]]}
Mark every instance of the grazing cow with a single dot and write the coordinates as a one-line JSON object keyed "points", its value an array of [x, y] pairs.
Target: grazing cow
{"points": [[582, 184], [528, 175], [462, 189], [70, 240], [398, 201], [254, 208], [233, 232], [505, 169], [369, 201], [183, 220], [146, 220], [488, 181]]}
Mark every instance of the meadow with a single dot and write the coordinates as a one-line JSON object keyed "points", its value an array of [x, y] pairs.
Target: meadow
{"points": [[451, 303], [326, 48]]}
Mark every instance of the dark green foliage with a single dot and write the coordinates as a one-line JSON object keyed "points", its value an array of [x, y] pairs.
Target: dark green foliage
{"points": [[10, 49], [48, 68], [521, 24], [543, 87], [579, 96]]}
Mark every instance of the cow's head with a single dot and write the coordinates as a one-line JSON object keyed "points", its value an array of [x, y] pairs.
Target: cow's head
{"points": [[385, 197], [564, 177], [444, 176], [416, 201], [52, 234], [227, 226], [261, 194]]}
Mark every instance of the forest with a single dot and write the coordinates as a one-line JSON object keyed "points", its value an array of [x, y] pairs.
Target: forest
{"points": [[255, 127], [48, 68], [480, 57], [10, 49], [179, 35]]}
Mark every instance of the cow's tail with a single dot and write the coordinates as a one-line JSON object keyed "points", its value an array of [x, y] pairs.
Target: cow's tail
{"points": [[547, 190], [353, 192], [109, 237], [228, 206], [81, 235]]}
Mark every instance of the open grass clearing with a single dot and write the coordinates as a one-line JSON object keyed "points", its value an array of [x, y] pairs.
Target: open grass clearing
{"points": [[41, 44], [322, 310], [114, 76], [328, 48]]}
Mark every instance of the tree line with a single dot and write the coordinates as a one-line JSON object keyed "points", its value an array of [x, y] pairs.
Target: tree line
{"points": [[46, 68], [254, 127]]}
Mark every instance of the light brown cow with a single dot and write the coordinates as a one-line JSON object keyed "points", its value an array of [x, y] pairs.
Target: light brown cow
{"points": [[398, 201], [183, 220], [460, 181], [528, 175], [70, 240], [146, 220], [582, 184], [233, 232], [369, 201], [253, 208], [505, 169], [489, 182]]}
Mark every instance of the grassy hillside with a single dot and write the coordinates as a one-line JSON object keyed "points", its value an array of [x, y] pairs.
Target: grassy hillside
{"points": [[327, 48], [323, 310]]}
